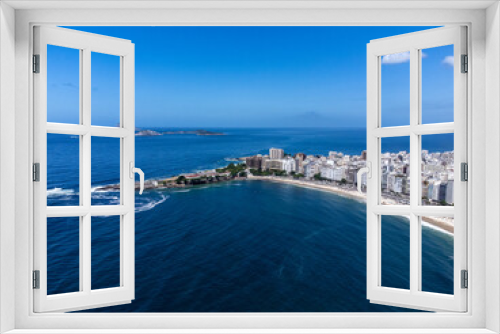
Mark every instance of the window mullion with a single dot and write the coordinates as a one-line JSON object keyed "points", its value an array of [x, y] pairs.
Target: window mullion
{"points": [[86, 178], [414, 170]]}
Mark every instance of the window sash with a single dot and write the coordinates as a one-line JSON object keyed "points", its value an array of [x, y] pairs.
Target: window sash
{"points": [[86, 297], [414, 42]]}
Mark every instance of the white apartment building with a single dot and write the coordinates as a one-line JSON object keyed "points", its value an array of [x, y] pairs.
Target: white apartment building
{"points": [[288, 165]]}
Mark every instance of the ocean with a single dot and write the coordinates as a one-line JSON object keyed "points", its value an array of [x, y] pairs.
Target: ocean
{"points": [[239, 246]]}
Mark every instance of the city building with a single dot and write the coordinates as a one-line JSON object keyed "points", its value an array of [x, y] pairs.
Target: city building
{"points": [[276, 153]]}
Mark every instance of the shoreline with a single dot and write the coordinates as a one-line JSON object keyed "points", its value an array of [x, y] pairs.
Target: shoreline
{"points": [[442, 224]]}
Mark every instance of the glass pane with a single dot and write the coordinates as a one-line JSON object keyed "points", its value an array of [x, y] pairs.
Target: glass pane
{"points": [[395, 252], [437, 254], [105, 252], [63, 170], [105, 89], [63, 85], [437, 84], [63, 255], [105, 171], [395, 86], [395, 171], [438, 173]]}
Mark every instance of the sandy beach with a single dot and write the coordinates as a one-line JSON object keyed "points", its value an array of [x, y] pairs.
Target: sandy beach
{"points": [[444, 224]]}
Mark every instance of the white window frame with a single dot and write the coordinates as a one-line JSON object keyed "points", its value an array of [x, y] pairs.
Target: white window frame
{"points": [[86, 44], [483, 311], [414, 43]]}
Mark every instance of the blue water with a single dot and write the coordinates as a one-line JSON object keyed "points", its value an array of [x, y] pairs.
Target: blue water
{"points": [[240, 246]]}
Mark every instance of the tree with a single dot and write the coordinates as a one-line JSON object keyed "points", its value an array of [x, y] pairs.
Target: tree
{"points": [[181, 179], [243, 174], [343, 181]]}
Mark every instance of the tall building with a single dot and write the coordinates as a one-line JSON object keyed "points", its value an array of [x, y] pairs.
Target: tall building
{"points": [[300, 156], [276, 153], [363, 155], [288, 165], [254, 162], [449, 198], [264, 161], [274, 164]]}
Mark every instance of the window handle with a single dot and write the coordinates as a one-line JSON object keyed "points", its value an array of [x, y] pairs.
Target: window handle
{"points": [[139, 171], [365, 170]]}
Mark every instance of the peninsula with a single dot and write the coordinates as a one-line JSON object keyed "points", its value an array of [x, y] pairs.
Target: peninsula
{"points": [[334, 173]]}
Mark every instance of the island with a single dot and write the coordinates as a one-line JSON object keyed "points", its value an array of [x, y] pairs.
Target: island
{"points": [[147, 133], [194, 132]]}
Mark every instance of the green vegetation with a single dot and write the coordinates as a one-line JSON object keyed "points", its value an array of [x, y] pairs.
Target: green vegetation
{"points": [[260, 172], [181, 179], [298, 176], [343, 181], [234, 169], [318, 177]]}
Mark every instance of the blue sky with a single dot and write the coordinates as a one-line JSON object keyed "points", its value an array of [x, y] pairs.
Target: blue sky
{"points": [[250, 77]]}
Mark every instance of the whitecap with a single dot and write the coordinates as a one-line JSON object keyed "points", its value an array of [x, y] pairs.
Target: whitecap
{"points": [[104, 196], [152, 204], [60, 192]]}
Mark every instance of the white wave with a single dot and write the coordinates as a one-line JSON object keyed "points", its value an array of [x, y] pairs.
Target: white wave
{"points": [[109, 200], [183, 191], [436, 228], [152, 204], [100, 189], [104, 195], [60, 192]]}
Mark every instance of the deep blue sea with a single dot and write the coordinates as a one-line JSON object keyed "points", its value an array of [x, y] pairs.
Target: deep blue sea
{"points": [[239, 246]]}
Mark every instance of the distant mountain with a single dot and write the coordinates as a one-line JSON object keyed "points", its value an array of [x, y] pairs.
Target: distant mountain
{"points": [[148, 133]]}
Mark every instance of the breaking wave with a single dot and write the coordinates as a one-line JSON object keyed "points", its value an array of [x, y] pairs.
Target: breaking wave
{"points": [[141, 207], [60, 192]]}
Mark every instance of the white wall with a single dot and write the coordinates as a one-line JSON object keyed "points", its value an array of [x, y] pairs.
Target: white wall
{"points": [[492, 162], [7, 161], [263, 17]]}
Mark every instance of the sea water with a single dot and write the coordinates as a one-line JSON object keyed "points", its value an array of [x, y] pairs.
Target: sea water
{"points": [[239, 246]]}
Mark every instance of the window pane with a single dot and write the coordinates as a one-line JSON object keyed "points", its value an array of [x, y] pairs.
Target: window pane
{"points": [[105, 89], [63, 255], [105, 252], [437, 84], [395, 252], [105, 171], [63, 85], [395, 94], [395, 171], [437, 254], [63, 170], [438, 173]]}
